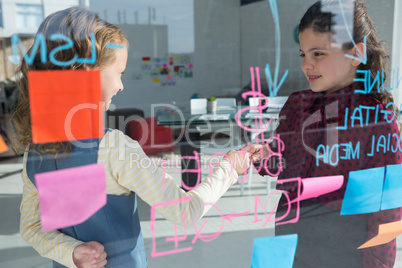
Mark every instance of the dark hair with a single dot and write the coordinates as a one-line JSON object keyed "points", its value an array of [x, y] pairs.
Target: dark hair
{"points": [[77, 24], [377, 53]]}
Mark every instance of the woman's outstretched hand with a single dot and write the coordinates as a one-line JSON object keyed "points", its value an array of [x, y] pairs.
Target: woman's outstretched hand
{"points": [[90, 254], [257, 151], [241, 159]]}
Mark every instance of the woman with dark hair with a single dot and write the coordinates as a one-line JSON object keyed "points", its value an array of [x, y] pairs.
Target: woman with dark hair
{"points": [[316, 118]]}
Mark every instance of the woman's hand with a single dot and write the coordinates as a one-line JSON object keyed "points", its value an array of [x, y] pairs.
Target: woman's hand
{"points": [[257, 151], [239, 159], [91, 254]]}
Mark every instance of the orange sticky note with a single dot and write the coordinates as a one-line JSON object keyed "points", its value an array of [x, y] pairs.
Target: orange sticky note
{"points": [[386, 233], [65, 105], [3, 146]]}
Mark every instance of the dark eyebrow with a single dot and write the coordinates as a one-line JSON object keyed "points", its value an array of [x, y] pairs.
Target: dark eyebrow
{"points": [[314, 48]]}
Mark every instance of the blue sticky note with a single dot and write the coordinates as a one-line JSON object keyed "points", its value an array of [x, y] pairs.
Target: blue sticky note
{"points": [[364, 191], [391, 195], [274, 251]]}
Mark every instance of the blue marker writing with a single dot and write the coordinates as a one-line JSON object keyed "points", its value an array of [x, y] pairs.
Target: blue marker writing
{"points": [[115, 46], [40, 40], [273, 85]]}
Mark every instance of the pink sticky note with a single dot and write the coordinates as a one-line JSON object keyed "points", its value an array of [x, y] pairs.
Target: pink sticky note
{"points": [[386, 233], [70, 196], [314, 187]]}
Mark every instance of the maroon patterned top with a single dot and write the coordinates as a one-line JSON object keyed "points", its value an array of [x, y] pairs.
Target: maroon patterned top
{"points": [[309, 119]]}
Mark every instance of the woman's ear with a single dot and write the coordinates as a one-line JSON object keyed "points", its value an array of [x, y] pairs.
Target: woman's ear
{"points": [[358, 52]]}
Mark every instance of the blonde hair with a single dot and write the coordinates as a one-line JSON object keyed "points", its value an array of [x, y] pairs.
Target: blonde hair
{"points": [[77, 24]]}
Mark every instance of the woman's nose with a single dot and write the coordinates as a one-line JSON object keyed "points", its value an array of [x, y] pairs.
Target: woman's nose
{"points": [[307, 65]]}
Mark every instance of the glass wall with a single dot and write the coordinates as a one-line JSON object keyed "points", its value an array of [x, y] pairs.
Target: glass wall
{"points": [[317, 97]]}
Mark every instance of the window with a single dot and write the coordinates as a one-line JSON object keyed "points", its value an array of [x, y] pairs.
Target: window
{"points": [[29, 16], [1, 15]]}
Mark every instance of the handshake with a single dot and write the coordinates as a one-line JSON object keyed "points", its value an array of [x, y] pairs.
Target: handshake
{"points": [[241, 159]]}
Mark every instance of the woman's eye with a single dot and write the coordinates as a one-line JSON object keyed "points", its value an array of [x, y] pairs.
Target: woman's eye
{"points": [[317, 54], [302, 55]]}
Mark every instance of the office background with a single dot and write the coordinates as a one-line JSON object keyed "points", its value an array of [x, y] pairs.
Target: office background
{"points": [[213, 44]]}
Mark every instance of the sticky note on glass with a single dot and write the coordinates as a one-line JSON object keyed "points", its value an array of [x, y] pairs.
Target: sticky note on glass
{"points": [[3, 146], [391, 195], [70, 196], [275, 251], [314, 187], [65, 105], [364, 191], [386, 233]]}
